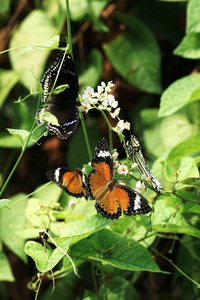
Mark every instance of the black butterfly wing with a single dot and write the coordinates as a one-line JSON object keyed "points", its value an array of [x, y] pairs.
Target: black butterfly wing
{"points": [[62, 105]]}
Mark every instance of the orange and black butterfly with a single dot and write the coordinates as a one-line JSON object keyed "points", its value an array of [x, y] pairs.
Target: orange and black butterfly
{"points": [[111, 199], [73, 182]]}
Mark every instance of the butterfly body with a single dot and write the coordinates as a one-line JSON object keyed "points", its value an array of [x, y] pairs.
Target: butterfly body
{"points": [[62, 104], [71, 181], [111, 199], [135, 152]]}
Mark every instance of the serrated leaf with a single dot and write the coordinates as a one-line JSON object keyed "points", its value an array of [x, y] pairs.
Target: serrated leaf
{"points": [[136, 55], [21, 134], [44, 257], [193, 12], [189, 46], [179, 94], [4, 202], [8, 79], [187, 147], [5, 270]]}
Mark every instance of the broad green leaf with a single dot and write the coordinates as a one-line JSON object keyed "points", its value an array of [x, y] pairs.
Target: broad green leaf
{"points": [[187, 169], [8, 79], [52, 43], [11, 223], [135, 55], [44, 257], [83, 228], [193, 12], [5, 5], [5, 270], [36, 28], [179, 94], [19, 133], [187, 147], [189, 46], [119, 288], [116, 250], [92, 73], [4, 202], [95, 7], [167, 218]]}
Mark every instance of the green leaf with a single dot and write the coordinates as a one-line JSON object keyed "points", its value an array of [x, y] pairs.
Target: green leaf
{"points": [[48, 117], [36, 28], [189, 46], [83, 228], [119, 288], [78, 9], [5, 270], [52, 43], [44, 257], [166, 218], [193, 12], [19, 133], [11, 223], [92, 73], [179, 94], [4, 202], [8, 79], [116, 250], [187, 147], [187, 169], [135, 55]]}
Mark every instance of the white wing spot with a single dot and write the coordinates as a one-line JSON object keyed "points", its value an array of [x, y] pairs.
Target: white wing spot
{"points": [[137, 203], [103, 153], [57, 174]]}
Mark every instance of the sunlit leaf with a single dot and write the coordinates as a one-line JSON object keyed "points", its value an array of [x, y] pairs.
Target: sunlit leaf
{"points": [[189, 46], [8, 79], [193, 12], [5, 270], [19, 133], [179, 94], [135, 55]]}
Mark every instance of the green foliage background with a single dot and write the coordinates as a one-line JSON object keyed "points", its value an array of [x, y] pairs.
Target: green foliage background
{"points": [[150, 49]]}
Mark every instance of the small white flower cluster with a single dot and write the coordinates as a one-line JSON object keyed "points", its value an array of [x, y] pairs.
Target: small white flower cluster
{"points": [[104, 101]]}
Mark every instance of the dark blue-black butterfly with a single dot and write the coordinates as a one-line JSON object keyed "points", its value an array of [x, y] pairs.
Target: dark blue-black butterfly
{"points": [[62, 105]]}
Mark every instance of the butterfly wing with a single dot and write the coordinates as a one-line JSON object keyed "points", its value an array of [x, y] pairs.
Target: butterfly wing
{"points": [[101, 175], [134, 151], [122, 199], [63, 105], [69, 180]]}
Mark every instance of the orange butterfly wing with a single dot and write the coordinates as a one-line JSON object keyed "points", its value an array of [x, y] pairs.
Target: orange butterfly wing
{"points": [[69, 180]]}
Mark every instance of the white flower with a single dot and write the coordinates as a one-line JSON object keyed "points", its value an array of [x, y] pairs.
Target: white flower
{"points": [[122, 169], [117, 111], [127, 125], [116, 164], [115, 155], [134, 166], [121, 182], [89, 92], [100, 89], [72, 203], [103, 84], [85, 107], [140, 187], [121, 126], [114, 104]]}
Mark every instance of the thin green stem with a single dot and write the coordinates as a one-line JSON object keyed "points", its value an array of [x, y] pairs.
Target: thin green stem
{"points": [[18, 160], [85, 135], [109, 127], [69, 28]]}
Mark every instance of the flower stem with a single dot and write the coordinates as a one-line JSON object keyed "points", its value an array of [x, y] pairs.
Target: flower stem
{"points": [[85, 135], [69, 37]]}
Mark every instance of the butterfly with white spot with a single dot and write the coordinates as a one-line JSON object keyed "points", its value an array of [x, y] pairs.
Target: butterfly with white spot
{"points": [[111, 199]]}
